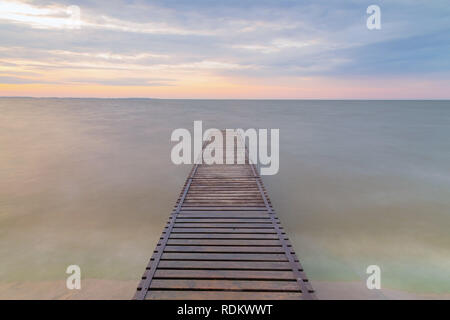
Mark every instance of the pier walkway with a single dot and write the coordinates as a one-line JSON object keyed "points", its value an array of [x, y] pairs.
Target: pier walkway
{"points": [[224, 241]]}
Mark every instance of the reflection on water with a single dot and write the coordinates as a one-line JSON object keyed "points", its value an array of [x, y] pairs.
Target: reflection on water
{"points": [[90, 182]]}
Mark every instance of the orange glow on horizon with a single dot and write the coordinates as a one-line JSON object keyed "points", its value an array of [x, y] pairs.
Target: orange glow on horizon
{"points": [[313, 88]]}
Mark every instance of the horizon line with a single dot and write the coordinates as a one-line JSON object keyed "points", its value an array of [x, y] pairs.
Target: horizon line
{"points": [[229, 99]]}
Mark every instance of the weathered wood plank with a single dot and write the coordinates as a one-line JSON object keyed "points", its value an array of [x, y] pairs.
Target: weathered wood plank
{"points": [[221, 295], [224, 274], [222, 230], [225, 256], [222, 220], [222, 215], [224, 242], [222, 208], [239, 285], [234, 265], [223, 236], [222, 225], [224, 249]]}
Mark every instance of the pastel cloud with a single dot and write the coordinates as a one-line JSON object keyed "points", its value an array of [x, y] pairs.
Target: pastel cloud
{"points": [[304, 49]]}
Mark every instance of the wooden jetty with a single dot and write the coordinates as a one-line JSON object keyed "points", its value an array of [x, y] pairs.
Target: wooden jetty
{"points": [[224, 241]]}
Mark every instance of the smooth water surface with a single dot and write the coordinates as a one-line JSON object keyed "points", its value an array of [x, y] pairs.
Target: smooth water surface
{"points": [[90, 182]]}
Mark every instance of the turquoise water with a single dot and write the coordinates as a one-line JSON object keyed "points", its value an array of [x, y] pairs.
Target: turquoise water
{"points": [[90, 182]]}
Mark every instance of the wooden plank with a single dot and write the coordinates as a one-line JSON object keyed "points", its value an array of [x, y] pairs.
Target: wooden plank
{"points": [[223, 236], [224, 274], [224, 242], [223, 194], [222, 208], [218, 192], [227, 249], [234, 265], [230, 211], [219, 189], [213, 192], [221, 220], [225, 256], [233, 199], [202, 216], [218, 210], [217, 202], [225, 186], [222, 225], [221, 295], [222, 230], [238, 285], [223, 215]]}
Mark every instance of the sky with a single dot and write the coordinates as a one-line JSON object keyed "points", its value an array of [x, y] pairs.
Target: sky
{"points": [[261, 49]]}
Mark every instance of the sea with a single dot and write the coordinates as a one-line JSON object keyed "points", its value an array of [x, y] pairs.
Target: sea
{"points": [[90, 182]]}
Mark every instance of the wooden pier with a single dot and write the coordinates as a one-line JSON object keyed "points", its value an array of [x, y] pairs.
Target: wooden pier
{"points": [[224, 241]]}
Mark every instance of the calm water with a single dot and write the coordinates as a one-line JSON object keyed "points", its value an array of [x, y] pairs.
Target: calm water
{"points": [[90, 182]]}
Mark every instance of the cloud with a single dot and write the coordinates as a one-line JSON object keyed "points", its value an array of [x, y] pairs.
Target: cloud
{"points": [[108, 56], [15, 80], [138, 42], [141, 82], [276, 45], [56, 16], [48, 17], [109, 23]]}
